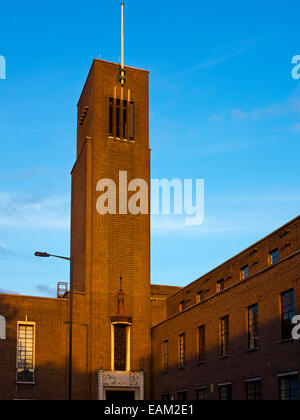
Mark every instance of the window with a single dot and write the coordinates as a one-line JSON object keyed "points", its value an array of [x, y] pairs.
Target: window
{"points": [[245, 272], [182, 396], [201, 344], [253, 327], [131, 121], [124, 119], [220, 286], [2, 328], [253, 391], [273, 257], [120, 347], [202, 394], [25, 353], [118, 118], [165, 355], [166, 397], [289, 388], [181, 306], [224, 333], [200, 297], [225, 392], [181, 350], [287, 314], [111, 115]]}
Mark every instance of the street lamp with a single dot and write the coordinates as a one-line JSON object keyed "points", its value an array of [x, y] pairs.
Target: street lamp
{"points": [[46, 255]]}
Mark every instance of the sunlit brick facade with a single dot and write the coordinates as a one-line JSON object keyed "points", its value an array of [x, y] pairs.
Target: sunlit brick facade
{"points": [[220, 337]]}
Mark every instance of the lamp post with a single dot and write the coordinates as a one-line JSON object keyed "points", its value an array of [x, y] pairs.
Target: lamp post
{"points": [[46, 255]]}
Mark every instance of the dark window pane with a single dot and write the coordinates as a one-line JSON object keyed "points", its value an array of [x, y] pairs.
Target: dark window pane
{"points": [[201, 344], [244, 272], [165, 355], [202, 394], [289, 388], [225, 393], [287, 314], [274, 257], [182, 396], [111, 113], [224, 345], [131, 121], [120, 347], [253, 391], [124, 119], [253, 327], [118, 119]]}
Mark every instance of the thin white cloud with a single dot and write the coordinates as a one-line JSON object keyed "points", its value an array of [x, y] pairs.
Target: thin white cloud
{"points": [[46, 290], [245, 46], [29, 211], [290, 106], [162, 225]]}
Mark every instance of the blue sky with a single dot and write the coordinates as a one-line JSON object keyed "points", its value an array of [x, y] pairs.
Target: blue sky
{"points": [[223, 107]]}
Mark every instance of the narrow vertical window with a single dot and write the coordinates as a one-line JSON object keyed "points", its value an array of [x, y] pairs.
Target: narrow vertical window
{"points": [[2, 328], [131, 121], [181, 350], [181, 306], [111, 113], [182, 396], [118, 133], [120, 347], [287, 314], [201, 344], [289, 388], [25, 353], [224, 336], [220, 286], [124, 119], [202, 394], [253, 327], [165, 355], [200, 297], [253, 391]]}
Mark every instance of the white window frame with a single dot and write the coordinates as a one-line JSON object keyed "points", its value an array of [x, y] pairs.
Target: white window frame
{"points": [[32, 324]]}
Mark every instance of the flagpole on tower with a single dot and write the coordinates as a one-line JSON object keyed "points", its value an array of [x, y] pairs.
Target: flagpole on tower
{"points": [[122, 66]]}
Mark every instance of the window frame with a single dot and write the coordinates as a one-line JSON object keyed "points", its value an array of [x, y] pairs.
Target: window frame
{"points": [[258, 395], [224, 337], [244, 272], [203, 390], [229, 387], [165, 355], [200, 297], [286, 332], [273, 261], [220, 287], [290, 377], [18, 368], [128, 344], [201, 344], [181, 350], [252, 327]]}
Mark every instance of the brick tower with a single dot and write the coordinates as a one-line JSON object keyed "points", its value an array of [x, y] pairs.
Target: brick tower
{"points": [[112, 336]]}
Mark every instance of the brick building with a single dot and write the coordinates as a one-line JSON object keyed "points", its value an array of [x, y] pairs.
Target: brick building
{"points": [[226, 335]]}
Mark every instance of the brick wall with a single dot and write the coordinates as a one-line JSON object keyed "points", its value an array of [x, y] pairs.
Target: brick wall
{"points": [[272, 357]]}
